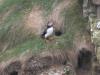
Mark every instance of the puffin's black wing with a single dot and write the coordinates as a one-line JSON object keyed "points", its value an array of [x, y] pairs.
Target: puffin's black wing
{"points": [[44, 32]]}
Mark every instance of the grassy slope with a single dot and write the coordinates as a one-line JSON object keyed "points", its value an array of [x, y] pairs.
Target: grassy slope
{"points": [[20, 41], [14, 19]]}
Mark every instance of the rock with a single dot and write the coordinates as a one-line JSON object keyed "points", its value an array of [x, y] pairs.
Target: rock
{"points": [[96, 2], [85, 8]]}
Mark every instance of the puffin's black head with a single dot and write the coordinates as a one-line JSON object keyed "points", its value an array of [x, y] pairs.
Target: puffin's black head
{"points": [[49, 24]]}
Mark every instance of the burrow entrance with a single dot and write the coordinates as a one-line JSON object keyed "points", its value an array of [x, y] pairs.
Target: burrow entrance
{"points": [[58, 33], [14, 68], [14, 73], [84, 58]]}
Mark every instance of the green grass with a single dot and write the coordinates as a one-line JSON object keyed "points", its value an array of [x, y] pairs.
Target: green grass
{"points": [[26, 4], [17, 34], [34, 45], [74, 23], [12, 29]]}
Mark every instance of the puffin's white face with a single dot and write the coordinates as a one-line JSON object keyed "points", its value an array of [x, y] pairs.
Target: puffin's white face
{"points": [[50, 24]]}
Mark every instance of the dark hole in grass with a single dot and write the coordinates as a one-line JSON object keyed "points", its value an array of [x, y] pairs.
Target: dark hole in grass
{"points": [[58, 33], [14, 73], [84, 58], [97, 69], [65, 62]]}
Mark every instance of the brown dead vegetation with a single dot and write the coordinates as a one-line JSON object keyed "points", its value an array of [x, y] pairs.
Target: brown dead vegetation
{"points": [[37, 64], [78, 57], [43, 62]]}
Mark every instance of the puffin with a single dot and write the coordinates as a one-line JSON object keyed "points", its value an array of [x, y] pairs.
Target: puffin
{"points": [[48, 31]]}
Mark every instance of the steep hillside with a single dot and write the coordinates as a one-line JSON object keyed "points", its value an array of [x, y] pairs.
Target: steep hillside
{"points": [[24, 52], [22, 22]]}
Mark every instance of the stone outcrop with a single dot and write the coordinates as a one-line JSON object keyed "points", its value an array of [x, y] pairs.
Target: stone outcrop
{"points": [[91, 9], [92, 12], [96, 2], [88, 8]]}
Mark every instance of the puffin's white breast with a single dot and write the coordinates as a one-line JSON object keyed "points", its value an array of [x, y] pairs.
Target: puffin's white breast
{"points": [[49, 32]]}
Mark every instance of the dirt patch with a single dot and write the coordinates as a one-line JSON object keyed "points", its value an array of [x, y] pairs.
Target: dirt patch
{"points": [[34, 20]]}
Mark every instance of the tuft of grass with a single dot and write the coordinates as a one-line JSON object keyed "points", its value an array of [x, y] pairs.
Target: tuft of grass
{"points": [[34, 45]]}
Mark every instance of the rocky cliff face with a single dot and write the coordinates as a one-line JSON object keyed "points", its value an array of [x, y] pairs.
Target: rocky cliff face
{"points": [[93, 15], [96, 2], [91, 9]]}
